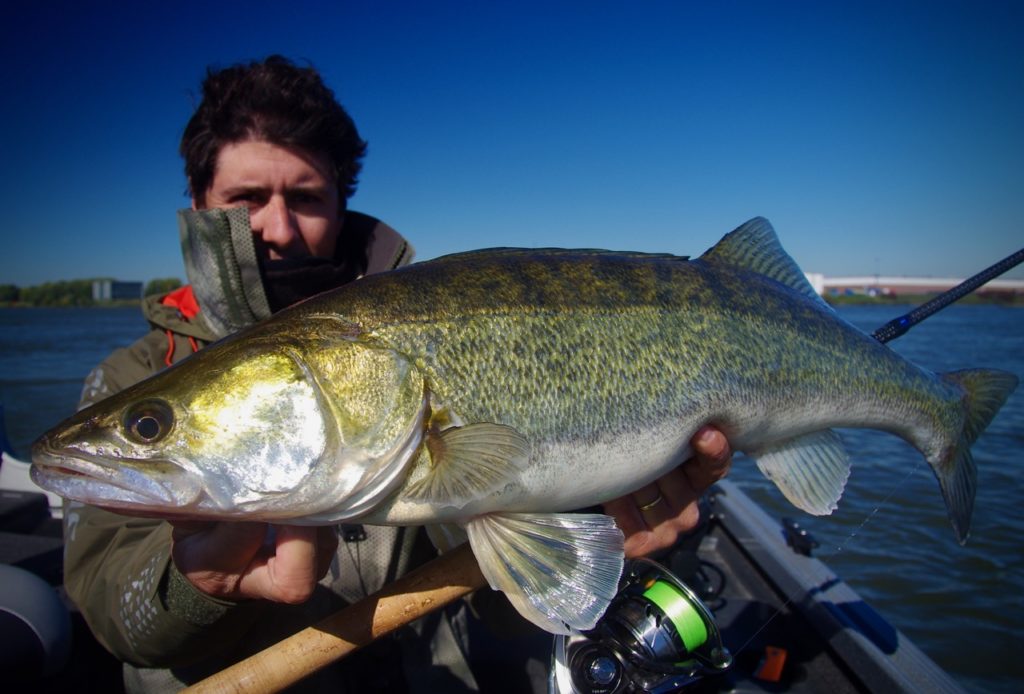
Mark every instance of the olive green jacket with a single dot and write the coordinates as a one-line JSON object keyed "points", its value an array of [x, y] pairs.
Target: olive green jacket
{"points": [[119, 573]]}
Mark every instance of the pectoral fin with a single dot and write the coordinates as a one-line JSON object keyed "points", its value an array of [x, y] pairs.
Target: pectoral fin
{"points": [[469, 462], [560, 571], [811, 470]]}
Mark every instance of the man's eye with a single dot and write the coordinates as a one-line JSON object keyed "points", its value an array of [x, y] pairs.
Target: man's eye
{"points": [[247, 199], [304, 199]]}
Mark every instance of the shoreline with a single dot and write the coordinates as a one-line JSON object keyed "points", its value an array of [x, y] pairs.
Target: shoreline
{"points": [[119, 303], [1009, 301], [986, 299]]}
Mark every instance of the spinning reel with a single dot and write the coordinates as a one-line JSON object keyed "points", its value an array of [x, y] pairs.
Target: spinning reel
{"points": [[656, 636]]}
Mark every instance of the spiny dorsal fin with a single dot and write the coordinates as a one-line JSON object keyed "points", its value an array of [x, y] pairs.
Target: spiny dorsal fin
{"points": [[754, 246], [505, 252]]}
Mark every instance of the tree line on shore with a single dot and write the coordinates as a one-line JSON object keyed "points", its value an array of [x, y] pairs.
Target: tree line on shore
{"points": [[72, 293], [79, 293]]}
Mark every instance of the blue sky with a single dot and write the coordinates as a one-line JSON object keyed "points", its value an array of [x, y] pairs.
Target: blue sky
{"points": [[878, 137]]}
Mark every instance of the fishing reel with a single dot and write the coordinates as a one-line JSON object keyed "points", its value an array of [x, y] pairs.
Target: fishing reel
{"points": [[656, 636]]}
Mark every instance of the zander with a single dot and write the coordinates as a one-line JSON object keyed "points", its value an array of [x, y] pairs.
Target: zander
{"points": [[492, 392]]}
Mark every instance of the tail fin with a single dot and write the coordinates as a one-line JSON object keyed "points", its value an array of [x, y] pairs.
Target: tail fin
{"points": [[985, 391]]}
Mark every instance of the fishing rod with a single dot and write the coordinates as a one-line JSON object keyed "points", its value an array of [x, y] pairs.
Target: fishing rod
{"points": [[898, 326]]}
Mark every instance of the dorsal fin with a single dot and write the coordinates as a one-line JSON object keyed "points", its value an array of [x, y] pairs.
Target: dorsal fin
{"points": [[754, 246], [502, 251]]}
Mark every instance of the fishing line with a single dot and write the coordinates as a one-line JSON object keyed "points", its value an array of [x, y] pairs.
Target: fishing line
{"points": [[871, 514], [843, 544]]}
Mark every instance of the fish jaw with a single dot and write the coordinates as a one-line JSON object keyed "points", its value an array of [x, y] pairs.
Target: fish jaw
{"points": [[88, 458], [159, 490]]}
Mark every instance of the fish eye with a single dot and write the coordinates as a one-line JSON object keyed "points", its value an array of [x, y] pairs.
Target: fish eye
{"points": [[148, 421]]}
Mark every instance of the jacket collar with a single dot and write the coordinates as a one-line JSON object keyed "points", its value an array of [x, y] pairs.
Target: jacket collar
{"points": [[223, 269]]}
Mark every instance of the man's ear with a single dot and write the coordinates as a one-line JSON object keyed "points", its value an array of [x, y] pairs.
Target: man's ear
{"points": [[196, 204]]}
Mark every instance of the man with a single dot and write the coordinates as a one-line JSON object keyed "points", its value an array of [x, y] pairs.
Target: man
{"points": [[271, 159]]}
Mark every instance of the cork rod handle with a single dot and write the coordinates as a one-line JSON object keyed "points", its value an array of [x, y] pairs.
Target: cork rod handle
{"points": [[429, 587]]}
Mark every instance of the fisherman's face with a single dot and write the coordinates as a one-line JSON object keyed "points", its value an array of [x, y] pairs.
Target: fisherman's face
{"points": [[294, 209]]}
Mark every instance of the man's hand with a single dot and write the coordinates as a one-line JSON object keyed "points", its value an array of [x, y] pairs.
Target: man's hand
{"points": [[653, 517], [239, 561]]}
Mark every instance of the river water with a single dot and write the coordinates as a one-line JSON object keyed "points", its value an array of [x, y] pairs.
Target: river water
{"points": [[889, 539]]}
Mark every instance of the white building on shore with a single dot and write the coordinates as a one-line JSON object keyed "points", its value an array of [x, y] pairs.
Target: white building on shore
{"points": [[881, 285]]}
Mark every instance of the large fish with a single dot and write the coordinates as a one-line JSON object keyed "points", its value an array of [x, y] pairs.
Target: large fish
{"points": [[497, 390]]}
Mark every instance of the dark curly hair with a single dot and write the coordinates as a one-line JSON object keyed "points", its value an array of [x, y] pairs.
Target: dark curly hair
{"points": [[274, 101]]}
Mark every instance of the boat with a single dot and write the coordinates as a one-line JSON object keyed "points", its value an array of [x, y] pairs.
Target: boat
{"points": [[789, 623], [45, 643]]}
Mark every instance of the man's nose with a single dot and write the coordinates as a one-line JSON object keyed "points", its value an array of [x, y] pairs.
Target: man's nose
{"points": [[276, 225]]}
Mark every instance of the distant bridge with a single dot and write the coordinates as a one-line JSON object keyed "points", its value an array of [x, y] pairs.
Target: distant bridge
{"points": [[888, 286]]}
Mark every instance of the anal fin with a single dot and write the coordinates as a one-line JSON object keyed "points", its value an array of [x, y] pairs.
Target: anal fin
{"points": [[810, 470]]}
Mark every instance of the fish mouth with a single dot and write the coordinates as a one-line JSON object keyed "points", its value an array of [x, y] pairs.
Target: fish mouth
{"points": [[84, 477]]}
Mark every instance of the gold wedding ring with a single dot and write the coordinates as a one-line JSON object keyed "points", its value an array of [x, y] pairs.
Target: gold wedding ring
{"points": [[648, 507]]}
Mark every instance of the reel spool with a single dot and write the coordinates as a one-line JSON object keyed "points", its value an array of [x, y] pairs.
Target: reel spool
{"points": [[656, 636]]}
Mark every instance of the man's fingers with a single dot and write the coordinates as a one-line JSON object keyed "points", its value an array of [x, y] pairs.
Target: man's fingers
{"points": [[652, 517], [290, 575], [711, 461], [652, 504], [681, 498], [215, 547], [301, 558], [241, 561], [626, 514]]}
